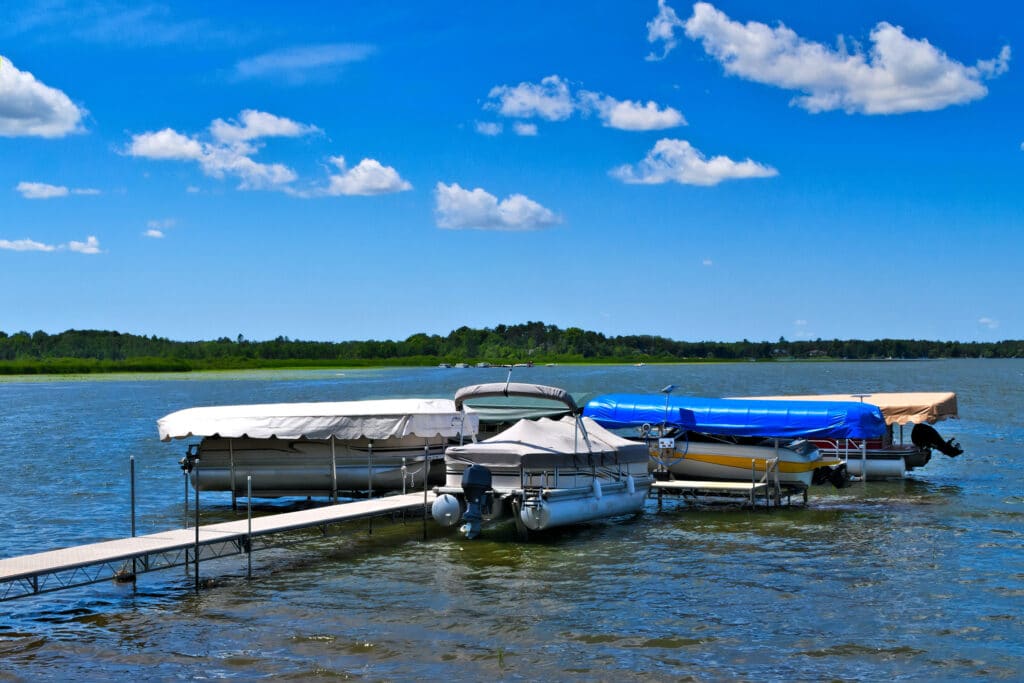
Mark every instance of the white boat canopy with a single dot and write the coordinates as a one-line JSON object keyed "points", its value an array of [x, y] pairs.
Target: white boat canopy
{"points": [[380, 419], [550, 443], [897, 408]]}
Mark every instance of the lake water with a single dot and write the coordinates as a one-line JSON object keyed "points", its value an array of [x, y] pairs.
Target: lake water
{"points": [[919, 579]]}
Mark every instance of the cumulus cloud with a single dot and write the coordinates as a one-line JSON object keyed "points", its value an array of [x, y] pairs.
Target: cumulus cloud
{"points": [[230, 150], [156, 228], [662, 28], [41, 190], [25, 245], [988, 323], [897, 75], [90, 246], [29, 108], [457, 208], [678, 161], [368, 177], [488, 128], [629, 115], [47, 191], [165, 144], [525, 129], [553, 100], [258, 124], [297, 65], [550, 100]]}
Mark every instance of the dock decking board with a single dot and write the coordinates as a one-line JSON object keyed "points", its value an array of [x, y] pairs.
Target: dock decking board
{"points": [[95, 562]]}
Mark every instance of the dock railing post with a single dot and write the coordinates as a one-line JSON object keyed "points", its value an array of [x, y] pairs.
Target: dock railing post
{"points": [[334, 473], [131, 474], [426, 480], [248, 537], [195, 552], [231, 456]]}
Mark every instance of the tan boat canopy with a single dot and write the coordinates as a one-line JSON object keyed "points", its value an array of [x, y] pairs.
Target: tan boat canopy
{"points": [[897, 408]]}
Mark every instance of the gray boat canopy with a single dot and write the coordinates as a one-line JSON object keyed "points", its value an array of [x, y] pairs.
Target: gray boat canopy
{"points": [[548, 443], [379, 419], [544, 395]]}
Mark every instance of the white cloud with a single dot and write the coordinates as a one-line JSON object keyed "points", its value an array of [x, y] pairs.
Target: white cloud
{"points": [[457, 208], [41, 190], [47, 191], [90, 246], [29, 108], [550, 100], [628, 115], [145, 23], [165, 144], [258, 124], [192, 189], [301, 64], [678, 161], [707, 262], [525, 129], [25, 245], [231, 150], [989, 323], [488, 128], [368, 177], [154, 233], [662, 28], [898, 75]]}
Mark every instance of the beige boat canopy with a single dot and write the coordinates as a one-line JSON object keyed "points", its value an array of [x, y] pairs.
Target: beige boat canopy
{"points": [[380, 419], [897, 408]]}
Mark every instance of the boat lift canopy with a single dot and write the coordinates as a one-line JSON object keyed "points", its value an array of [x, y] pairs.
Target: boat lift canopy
{"points": [[897, 408], [740, 417], [519, 401], [378, 419]]}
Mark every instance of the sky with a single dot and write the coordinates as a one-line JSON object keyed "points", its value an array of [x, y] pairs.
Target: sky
{"points": [[346, 170]]}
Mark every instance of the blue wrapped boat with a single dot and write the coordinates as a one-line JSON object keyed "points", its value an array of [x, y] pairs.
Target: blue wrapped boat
{"points": [[734, 439]]}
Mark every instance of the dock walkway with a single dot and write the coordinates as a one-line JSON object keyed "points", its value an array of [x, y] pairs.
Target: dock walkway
{"points": [[97, 562]]}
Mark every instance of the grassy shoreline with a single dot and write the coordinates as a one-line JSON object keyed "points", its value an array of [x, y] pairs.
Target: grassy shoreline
{"points": [[87, 366]]}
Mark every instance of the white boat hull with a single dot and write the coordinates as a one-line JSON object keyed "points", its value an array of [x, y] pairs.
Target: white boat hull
{"points": [[538, 513], [302, 467], [716, 461]]}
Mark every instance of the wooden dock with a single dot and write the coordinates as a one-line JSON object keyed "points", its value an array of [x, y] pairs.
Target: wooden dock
{"points": [[126, 557]]}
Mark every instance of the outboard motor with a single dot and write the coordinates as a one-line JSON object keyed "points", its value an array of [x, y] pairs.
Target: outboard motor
{"points": [[926, 436], [838, 476], [476, 485]]}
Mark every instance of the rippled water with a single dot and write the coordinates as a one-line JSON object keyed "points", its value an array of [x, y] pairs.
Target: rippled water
{"points": [[908, 580]]}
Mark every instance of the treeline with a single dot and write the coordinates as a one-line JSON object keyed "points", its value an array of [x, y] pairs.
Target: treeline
{"points": [[76, 351]]}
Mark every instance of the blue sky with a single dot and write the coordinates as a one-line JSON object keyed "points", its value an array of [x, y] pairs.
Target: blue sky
{"points": [[342, 171]]}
